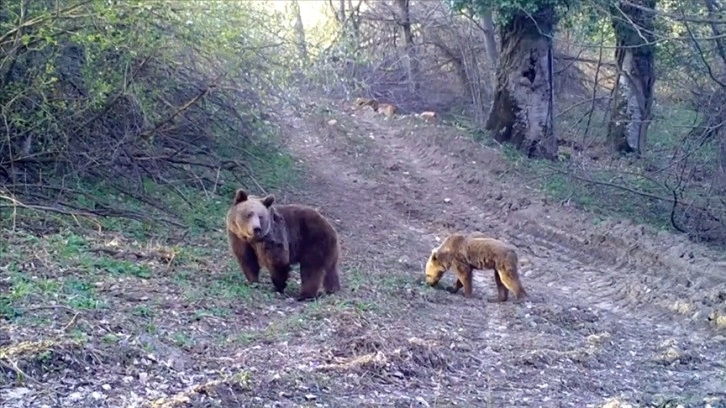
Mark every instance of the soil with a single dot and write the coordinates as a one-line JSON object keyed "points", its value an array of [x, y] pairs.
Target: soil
{"points": [[617, 313], [615, 309]]}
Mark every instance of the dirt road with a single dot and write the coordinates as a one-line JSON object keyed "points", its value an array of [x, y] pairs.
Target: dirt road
{"points": [[616, 309], [617, 312]]}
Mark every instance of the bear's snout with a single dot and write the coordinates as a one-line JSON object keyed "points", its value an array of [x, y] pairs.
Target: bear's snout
{"points": [[257, 230]]}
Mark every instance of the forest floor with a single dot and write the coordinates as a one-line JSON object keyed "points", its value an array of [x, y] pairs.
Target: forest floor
{"points": [[618, 313]]}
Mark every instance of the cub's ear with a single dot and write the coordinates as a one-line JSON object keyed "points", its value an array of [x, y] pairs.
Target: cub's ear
{"points": [[268, 200], [433, 255], [239, 196]]}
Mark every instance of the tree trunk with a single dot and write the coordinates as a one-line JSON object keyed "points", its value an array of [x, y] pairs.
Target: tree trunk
{"points": [[490, 43], [354, 17], [522, 112], [341, 14], [633, 94], [300, 33], [410, 58]]}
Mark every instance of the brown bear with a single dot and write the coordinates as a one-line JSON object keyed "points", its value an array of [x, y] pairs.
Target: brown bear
{"points": [[463, 253], [279, 236]]}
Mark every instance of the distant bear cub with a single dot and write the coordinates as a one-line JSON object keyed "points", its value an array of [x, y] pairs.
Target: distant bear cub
{"points": [[279, 236], [463, 253]]}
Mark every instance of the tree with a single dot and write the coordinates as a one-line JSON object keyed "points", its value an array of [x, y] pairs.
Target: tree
{"points": [[522, 110], [633, 91], [299, 32], [404, 20], [487, 23]]}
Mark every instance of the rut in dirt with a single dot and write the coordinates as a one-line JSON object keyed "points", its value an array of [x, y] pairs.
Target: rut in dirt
{"points": [[591, 307]]}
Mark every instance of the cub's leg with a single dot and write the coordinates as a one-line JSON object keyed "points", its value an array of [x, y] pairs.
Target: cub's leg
{"points": [[458, 285], [310, 280], [502, 292], [245, 256], [510, 279]]}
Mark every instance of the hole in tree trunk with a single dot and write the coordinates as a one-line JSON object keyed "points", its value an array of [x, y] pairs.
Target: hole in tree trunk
{"points": [[529, 74]]}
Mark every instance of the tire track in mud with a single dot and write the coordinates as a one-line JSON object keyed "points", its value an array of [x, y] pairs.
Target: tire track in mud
{"points": [[589, 328]]}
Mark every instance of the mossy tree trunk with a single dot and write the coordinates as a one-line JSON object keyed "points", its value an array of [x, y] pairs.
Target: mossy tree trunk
{"points": [[633, 93], [522, 112]]}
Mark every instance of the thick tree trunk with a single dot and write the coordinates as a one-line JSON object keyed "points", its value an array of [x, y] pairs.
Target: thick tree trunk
{"points": [[522, 112], [633, 93]]}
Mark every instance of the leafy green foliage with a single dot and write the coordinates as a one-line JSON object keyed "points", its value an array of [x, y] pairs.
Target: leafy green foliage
{"points": [[107, 102], [506, 9]]}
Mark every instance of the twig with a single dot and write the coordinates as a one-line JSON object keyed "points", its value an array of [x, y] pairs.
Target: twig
{"points": [[69, 309], [673, 212], [17, 203], [70, 323], [13, 366]]}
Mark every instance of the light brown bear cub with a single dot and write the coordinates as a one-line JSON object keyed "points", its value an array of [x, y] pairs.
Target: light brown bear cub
{"points": [[280, 236], [464, 253]]}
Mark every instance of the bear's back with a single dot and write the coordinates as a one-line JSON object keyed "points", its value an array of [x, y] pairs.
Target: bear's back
{"points": [[307, 230]]}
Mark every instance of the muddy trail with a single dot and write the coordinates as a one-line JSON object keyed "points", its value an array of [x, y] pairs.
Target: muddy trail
{"points": [[616, 310]]}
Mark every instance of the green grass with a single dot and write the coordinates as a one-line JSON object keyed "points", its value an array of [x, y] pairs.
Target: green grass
{"points": [[67, 268], [199, 209]]}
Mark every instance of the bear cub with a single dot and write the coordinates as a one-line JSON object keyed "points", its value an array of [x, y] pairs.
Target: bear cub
{"points": [[463, 253], [278, 236]]}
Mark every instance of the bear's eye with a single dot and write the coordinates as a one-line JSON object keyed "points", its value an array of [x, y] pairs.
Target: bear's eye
{"points": [[248, 215]]}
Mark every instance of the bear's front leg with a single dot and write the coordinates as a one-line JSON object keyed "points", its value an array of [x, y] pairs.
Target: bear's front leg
{"points": [[245, 256], [279, 275]]}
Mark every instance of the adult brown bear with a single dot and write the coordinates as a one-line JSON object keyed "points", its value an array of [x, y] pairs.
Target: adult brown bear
{"points": [[463, 253], [277, 237]]}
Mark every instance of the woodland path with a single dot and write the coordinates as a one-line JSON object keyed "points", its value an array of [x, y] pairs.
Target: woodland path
{"points": [[615, 309]]}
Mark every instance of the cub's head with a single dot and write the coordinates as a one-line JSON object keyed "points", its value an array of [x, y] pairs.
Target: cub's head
{"points": [[436, 265], [250, 217]]}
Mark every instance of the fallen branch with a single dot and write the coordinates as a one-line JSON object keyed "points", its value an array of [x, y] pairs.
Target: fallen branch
{"points": [[83, 212], [630, 190]]}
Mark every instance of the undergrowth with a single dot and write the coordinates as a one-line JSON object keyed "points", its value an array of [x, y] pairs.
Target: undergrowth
{"points": [[639, 190]]}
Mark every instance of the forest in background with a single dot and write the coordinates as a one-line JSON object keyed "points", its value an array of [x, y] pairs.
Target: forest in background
{"points": [[562, 128], [114, 108]]}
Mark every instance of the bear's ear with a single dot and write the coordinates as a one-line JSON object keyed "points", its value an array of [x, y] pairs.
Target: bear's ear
{"points": [[268, 200], [239, 196]]}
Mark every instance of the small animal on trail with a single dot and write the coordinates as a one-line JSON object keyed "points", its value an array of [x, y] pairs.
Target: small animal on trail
{"points": [[465, 252]]}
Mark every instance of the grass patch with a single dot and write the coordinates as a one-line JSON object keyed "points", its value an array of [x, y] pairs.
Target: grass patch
{"points": [[196, 205]]}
